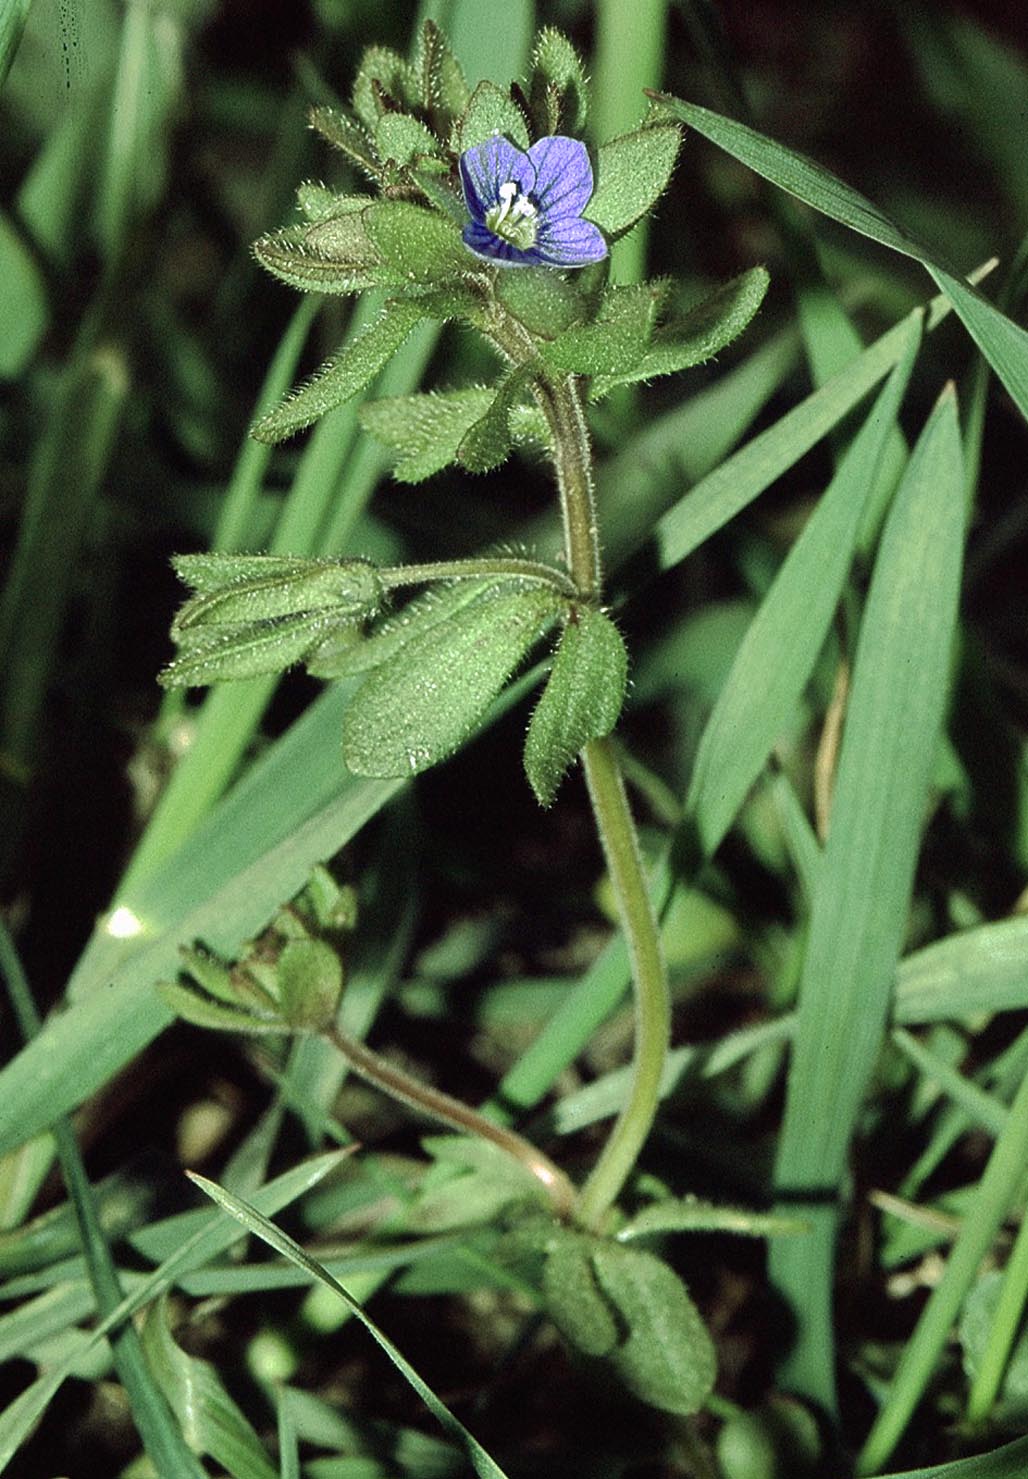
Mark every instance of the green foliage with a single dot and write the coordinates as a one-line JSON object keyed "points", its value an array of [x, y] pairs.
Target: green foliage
{"points": [[213, 1423], [24, 311], [256, 614], [560, 88], [800, 664], [491, 111], [346, 375], [422, 703], [425, 431], [632, 172], [419, 244], [581, 701], [691, 338]]}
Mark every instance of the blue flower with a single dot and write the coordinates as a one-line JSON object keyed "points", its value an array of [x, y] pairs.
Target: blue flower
{"points": [[526, 208]]}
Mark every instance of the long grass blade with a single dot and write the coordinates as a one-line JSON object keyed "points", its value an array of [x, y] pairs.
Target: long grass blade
{"points": [[893, 724]]}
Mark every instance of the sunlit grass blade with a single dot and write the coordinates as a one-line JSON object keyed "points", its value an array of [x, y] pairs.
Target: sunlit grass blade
{"points": [[892, 727], [1003, 343], [214, 1423], [481, 1462], [976, 970], [778, 652]]}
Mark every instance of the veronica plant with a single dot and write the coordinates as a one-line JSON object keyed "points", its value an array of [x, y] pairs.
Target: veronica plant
{"points": [[487, 210]]}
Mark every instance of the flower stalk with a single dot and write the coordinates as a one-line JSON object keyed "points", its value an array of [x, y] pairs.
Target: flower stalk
{"points": [[459, 1116], [560, 400]]}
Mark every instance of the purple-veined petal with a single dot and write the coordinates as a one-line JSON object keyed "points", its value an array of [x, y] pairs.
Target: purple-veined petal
{"points": [[485, 167], [563, 176], [480, 240], [569, 242]]}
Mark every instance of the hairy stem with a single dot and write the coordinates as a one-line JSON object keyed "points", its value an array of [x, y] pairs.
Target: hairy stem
{"points": [[561, 402], [459, 1116]]}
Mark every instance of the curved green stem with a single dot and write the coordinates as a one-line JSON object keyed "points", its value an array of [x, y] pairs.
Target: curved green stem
{"points": [[560, 400], [453, 1112], [649, 975]]}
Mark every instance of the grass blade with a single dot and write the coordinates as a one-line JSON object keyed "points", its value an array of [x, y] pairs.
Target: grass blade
{"points": [[480, 1461], [780, 648], [1003, 343], [895, 713]]}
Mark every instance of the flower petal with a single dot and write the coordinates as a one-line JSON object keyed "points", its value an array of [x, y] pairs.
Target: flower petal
{"points": [[569, 242], [480, 240], [485, 167], [564, 176]]}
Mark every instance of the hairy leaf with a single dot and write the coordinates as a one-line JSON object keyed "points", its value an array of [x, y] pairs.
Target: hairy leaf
{"points": [[581, 701], [560, 88], [422, 704], [420, 244], [632, 171], [491, 111], [346, 135], [400, 138], [668, 1357], [343, 376], [425, 430], [698, 334], [383, 76]]}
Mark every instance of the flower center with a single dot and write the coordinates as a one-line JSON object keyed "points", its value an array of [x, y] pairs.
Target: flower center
{"points": [[514, 218]]}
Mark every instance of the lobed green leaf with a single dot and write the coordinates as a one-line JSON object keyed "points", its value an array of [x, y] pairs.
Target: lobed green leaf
{"points": [[340, 130], [243, 650], [632, 172], [546, 302], [573, 1299], [289, 255], [487, 442], [420, 706], [615, 342], [273, 586], [383, 79], [581, 701], [697, 335], [425, 430], [400, 139], [344, 376], [444, 91]]}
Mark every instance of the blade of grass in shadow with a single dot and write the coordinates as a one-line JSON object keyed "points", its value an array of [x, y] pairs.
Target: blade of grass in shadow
{"points": [[1001, 1183], [211, 1237], [67, 469], [159, 1431], [12, 23], [892, 728], [483, 1465], [1004, 343]]}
